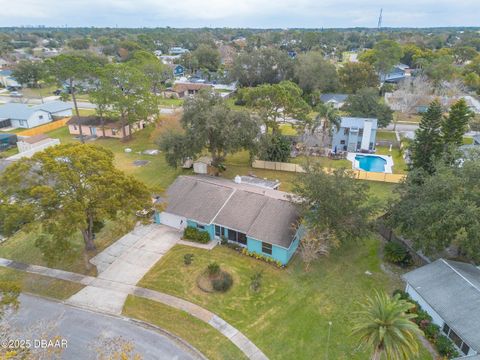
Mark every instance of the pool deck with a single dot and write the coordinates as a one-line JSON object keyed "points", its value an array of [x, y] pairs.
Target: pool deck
{"points": [[355, 165]]}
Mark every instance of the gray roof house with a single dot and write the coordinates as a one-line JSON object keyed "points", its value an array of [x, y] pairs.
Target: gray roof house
{"points": [[337, 100], [19, 115], [355, 134], [450, 292], [265, 221]]}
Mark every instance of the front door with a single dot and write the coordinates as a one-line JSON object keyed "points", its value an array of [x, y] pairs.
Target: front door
{"points": [[93, 131]]}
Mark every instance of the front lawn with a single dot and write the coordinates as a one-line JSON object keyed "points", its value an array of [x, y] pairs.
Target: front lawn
{"points": [[200, 335], [21, 246], [40, 285], [288, 318]]}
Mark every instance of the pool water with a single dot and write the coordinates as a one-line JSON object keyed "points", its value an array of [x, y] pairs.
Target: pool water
{"points": [[371, 163]]}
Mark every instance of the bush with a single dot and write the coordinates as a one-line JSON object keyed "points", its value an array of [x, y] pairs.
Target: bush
{"points": [[256, 281], [223, 240], [403, 294], [445, 347], [187, 259], [262, 257], [397, 254], [193, 234], [213, 268], [431, 332], [222, 283]]}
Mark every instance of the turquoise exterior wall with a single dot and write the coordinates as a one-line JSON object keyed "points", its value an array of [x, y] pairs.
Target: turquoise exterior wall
{"points": [[278, 253], [208, 228], [156, 217]]}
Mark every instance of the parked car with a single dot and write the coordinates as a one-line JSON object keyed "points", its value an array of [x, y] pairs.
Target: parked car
{"points": [[16, 94], [57, 92]]}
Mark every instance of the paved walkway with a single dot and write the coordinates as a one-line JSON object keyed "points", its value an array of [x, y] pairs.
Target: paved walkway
{"points": [[99, 287], [124, 263]]}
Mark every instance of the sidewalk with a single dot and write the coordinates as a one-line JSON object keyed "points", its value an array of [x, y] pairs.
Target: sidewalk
{"points": [[115, 291]]}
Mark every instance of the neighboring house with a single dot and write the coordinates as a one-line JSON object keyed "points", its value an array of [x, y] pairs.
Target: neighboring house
{"points": [[19, 115], [349, 56], [263, 221], [184, 89], [177, 50], [336, 100], [3, 63], [202, 165], [397, 74], [7, 141], [6, 79], [92, 127], [178, 70], [450, 292], [355, 134], [37, 142]]}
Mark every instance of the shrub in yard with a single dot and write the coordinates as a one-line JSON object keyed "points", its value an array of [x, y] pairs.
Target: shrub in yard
{"points": [[187, 259], [256, 281], [403, 294], [445, 347], [213, 268], [193, 234], [223, 282], [431, 332], [397, 254]]}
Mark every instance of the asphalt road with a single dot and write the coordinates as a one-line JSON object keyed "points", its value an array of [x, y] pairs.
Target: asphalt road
{"points": [[82, 328]]}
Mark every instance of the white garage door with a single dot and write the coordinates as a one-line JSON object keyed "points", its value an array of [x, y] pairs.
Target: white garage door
{"points": [[175, 221]]}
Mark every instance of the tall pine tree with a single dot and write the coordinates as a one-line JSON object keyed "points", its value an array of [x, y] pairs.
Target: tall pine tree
{"points": [[456, 124], [428, 143]]}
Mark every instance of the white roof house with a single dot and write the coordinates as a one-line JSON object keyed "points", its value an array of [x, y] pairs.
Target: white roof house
{"points": [[24, 116]]}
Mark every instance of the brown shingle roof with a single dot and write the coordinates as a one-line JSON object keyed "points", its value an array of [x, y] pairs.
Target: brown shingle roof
{"points": [[182, 87], [35, 139]]}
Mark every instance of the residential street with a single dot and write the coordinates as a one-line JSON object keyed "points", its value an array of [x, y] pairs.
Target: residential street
{"points": [[82, 328]]}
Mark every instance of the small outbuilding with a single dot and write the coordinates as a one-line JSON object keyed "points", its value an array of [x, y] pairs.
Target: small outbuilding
{"points": [[202, 165]]}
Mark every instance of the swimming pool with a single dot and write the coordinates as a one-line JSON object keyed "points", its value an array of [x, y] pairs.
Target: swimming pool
{"points": [[371, 163]]}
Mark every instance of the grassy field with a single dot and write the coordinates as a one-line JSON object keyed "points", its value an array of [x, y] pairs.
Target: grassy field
{"points": [[386, 136], [21, 246], [40, 285], [170, 102], [202, 336], [288, 318]]}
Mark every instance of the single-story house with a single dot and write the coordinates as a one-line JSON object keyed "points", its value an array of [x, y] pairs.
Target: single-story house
{"points": [[19, 115], [476, 140], [92, 127], [355, 134], [37, 142], [7, 80], [397, 74], [262, 220], [178, 50], [184, 89], [7, 141], [336, 100], [450, 292]]}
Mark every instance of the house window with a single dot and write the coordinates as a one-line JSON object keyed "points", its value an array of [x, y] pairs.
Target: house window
{"points": [[219, 231], [114, 131], [465, 348], [267, 248], [40, 117], [346, 131], [200, 226], [455, 338], [238, 237], [446, 328], [342, 142], [360, 132]]}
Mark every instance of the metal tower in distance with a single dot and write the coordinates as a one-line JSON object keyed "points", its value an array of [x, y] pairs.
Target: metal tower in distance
{"points": [[379, 26]]}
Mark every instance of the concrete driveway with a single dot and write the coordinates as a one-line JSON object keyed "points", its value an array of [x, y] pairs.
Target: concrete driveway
{"points": [[82, 329], [123, 264]]}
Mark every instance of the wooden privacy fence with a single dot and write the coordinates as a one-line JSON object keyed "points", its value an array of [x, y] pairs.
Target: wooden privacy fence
{"points": [[44, 128], [359, 174]]}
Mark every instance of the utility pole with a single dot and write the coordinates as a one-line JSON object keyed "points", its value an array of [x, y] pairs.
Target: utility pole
{"points": [[379, 26]]}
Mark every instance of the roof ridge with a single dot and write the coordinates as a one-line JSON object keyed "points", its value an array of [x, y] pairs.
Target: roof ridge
{"points": [[224, 204], [259, 212], [459, 274]]}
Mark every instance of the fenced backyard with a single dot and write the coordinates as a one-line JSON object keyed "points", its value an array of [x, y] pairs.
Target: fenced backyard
{"points": [[359, 174]]}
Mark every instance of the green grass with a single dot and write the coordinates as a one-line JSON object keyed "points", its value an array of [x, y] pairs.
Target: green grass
{"points": [[40, 285], [202, 336], [399, 165], [386, 136], [288, 130], [156, 174], [288, 318], [467, 140], [171, 102], [39, 92], [21, 246]]}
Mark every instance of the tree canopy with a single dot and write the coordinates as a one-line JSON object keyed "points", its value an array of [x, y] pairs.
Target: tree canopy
{"points": [[367, 103], [209, 123], [313, 72], [29, 73], [356, 76], [68, 189]]}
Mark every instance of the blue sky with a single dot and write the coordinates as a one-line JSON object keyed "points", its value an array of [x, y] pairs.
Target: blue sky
{"points": [[240, 13]]}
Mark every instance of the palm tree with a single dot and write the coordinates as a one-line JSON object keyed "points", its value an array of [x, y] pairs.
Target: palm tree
{"points": [[328, 119], [384, 326]]}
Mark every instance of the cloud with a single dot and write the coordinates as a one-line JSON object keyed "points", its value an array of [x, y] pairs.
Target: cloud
{"points": [[239, 13]]}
